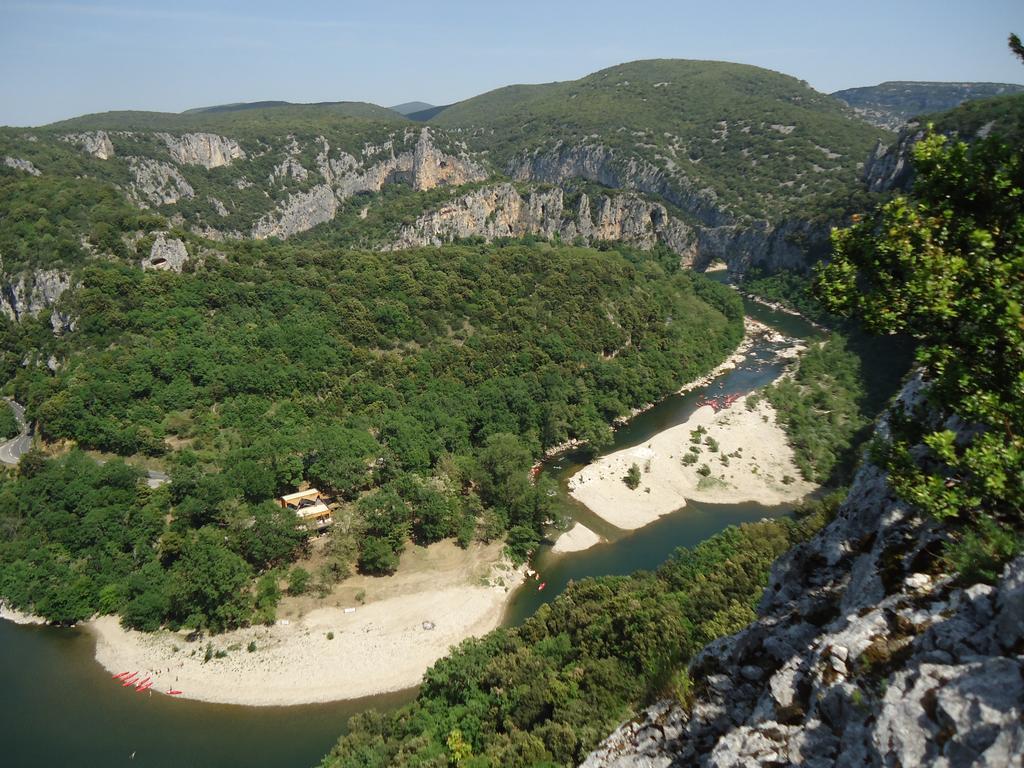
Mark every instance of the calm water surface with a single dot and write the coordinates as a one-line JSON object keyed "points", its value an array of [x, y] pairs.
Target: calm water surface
{"points": [[61, 708]]}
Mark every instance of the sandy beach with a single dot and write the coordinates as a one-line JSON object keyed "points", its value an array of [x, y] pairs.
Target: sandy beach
{"points": [[18, 617], [760, 468], [576, 539], [407, 622]]}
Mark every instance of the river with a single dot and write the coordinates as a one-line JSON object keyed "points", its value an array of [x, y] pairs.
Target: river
{"points": [[60, 707]]}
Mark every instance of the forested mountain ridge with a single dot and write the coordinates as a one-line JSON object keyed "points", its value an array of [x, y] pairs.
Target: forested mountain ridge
{"points": [[645, 153], [698, 124], [892, 104]]}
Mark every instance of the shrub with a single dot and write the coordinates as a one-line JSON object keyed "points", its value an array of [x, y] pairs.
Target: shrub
{"points": [[298, 581]]}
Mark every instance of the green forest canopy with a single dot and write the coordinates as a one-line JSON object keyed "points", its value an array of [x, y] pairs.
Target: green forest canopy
{"points": [[418, 387]]}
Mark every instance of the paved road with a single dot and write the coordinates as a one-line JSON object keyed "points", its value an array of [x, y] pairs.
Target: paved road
{"points": [[11, 451]]}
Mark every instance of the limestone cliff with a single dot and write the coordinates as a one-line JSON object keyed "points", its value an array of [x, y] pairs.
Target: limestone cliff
{"points": [[600, 164], [865, 653], [501, 211], [889, 167], [19, 164], [157, 183], [206, 149], [302, 211], [423, 167], [715, 235], [31, 294], [167, 253], [95, 143]]}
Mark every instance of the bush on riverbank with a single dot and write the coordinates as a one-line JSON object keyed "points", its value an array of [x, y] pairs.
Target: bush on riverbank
{"points": [[821, 408]]}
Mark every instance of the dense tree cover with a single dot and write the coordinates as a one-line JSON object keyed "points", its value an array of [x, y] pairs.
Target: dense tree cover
{"points": [[946, 265], [417, 387], [821, 408], [8, 424], [546, 692], [54, 222]]}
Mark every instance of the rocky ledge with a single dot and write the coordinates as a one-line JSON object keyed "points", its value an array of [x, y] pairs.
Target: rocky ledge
{"points": [[716, 234], [864, 654], [501, 211]]}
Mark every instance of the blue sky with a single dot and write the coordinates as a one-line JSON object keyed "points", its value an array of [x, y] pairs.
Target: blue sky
{"points": [[60, 59]]}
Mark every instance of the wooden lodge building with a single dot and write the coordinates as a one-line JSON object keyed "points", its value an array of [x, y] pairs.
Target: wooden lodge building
{"points": [[310, 507]]}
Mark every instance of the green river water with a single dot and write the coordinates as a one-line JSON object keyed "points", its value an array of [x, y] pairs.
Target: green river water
{"points": [[61, 708]]}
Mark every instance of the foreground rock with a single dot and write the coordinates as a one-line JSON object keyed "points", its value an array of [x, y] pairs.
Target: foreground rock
{"points": [[864, 654]]}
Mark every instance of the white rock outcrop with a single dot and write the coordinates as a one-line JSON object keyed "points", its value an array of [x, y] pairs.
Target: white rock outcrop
{"points": [[206, 149], [34, 293], [423, 167], [168, 254], [302, 211], [501, 211], [95, 143], [157, 183], [22, 165]]}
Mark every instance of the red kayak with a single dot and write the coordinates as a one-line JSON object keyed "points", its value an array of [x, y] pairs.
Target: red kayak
{"points": [[119, 675], [143, 682], [145, 687], [174, 693], [130, 680], [543, 584]]}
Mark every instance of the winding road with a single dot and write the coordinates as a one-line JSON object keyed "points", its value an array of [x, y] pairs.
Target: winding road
{"points": [[12, 450]]}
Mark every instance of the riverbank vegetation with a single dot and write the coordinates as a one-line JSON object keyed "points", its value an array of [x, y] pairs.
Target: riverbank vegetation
{"points": [[546, 692], [417, 388], [821, 408]]}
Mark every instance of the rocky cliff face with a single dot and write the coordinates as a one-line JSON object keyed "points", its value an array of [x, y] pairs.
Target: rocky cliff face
{"points": [[889, 167], [157, 183], [600, 164], [501, 211], [864, 654], [423, 167], [95, 143], [714, 234], [167, 253], [34, 293], [22, 165], [206, 149], [302, 211]]}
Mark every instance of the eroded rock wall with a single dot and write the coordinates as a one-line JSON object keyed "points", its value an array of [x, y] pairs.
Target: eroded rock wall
{"points": [[864, 654], [501, 211]]}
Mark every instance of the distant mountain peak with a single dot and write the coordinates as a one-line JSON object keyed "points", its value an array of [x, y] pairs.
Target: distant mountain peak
{"points": [[409, 107], [892, 103]]}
